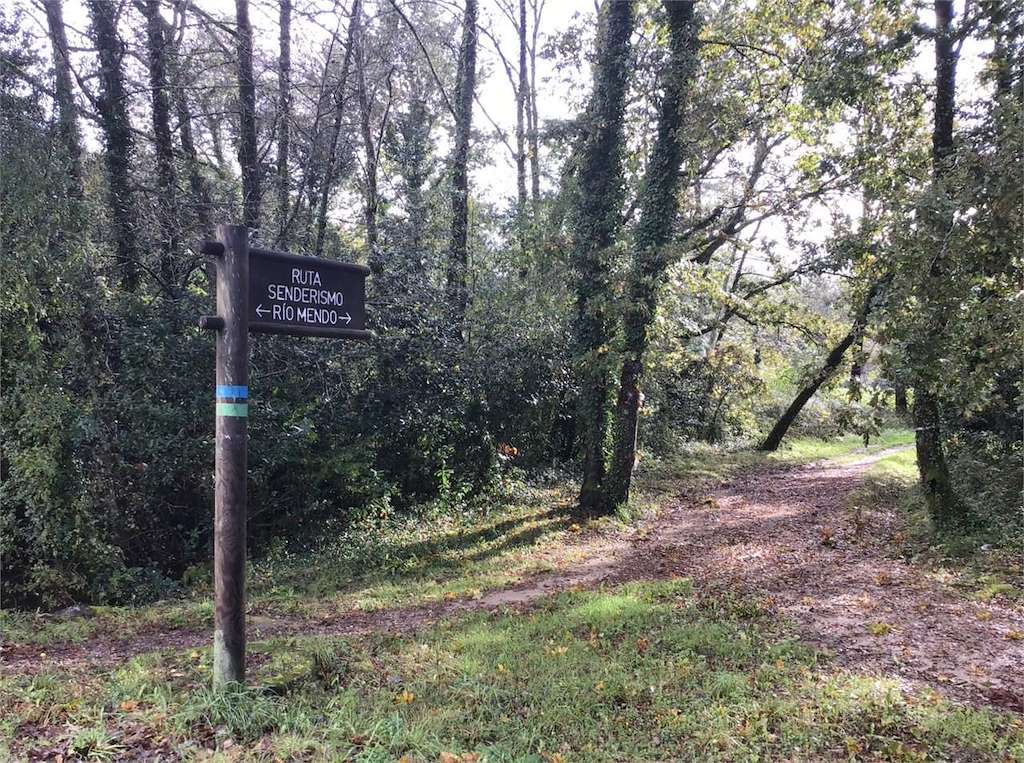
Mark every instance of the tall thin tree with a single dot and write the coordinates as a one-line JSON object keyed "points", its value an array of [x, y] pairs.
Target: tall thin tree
{"points": [[340, 96], [248, 159], [67, 111], [458, 249], [166, 176], [284, 117]]}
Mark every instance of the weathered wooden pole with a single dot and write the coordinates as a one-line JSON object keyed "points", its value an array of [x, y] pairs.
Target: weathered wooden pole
{"points": [[231, 456]]}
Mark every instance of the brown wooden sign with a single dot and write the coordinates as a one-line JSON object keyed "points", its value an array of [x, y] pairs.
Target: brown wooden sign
{"points": [[306, 296]]}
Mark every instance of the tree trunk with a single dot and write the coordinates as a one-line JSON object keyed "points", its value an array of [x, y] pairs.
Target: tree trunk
{"points": [[67, 112], [458, 250], [284, 119], [340, 95], [901, 399], [370, 202], [835, 357], [534, 139], [658, 208], [598, 216], [199, 188], [117, 137], [522, 222], [857, 371], [248, 158], [931, 457], [167, 181]]}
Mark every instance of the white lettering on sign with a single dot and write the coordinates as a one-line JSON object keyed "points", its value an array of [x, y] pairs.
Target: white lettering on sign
{"points": [[302, 290]]}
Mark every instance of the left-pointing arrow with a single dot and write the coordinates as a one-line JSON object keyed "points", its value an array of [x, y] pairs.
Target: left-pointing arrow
{"points": [[260, 310]]}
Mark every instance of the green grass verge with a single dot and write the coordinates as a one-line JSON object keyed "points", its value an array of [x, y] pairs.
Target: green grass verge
{"points": [[442, 553], [640, 672]]}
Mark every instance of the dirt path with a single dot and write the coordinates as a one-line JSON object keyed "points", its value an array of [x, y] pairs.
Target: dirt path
{"points": [[785, 536]]}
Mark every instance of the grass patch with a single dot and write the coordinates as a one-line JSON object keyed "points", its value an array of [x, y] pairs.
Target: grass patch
{"points": [[439, 554], [639, 672]]}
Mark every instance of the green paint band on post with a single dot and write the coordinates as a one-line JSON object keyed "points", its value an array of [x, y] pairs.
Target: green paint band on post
{"points": [[233, 409]]}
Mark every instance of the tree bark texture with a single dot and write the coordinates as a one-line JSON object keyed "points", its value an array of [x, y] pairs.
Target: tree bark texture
{"points": [[522, 221], [458, 249], [370, 197], [340, 96], [167, 181], [248, 158], [658, 208], [117, 137], [67, 111], [284, 118], [931, 457], [596, 223]]}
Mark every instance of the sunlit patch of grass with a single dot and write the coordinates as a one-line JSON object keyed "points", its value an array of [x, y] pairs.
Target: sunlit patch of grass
{"points": [[847, 447], [636, 672]]}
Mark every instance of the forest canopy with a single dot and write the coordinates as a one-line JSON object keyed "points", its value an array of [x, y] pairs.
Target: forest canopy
{"points": [[596, 234]]}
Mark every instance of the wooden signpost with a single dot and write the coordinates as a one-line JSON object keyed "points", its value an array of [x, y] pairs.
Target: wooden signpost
{"points": [[269, 292]]}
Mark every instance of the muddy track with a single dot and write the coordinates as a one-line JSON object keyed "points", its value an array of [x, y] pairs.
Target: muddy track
{"points": [[786, 536]]}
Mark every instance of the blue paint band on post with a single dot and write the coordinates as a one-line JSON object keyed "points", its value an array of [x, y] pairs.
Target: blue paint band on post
{"points": [[235, 393]]}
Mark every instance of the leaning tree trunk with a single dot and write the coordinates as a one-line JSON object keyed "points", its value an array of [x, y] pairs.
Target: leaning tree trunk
{"points": [[597, 221], [340, 96], [284, 119], [931, 457], [856, 386], [860, 322], [658, 207], [458, 249], [117, 137], [67, 112], [167, 182], [248, 158]]}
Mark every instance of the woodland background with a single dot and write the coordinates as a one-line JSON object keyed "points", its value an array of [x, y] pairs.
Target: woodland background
{"points": [[760, 217]]}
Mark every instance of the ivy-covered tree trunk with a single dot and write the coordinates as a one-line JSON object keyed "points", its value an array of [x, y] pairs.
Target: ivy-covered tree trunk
{"points": [[284, 118], [835, 357], [167, 181], [117, 137], [931, 457], [67, 111], [248, 159], [458, 251], [598, 216], [658, 207]]}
